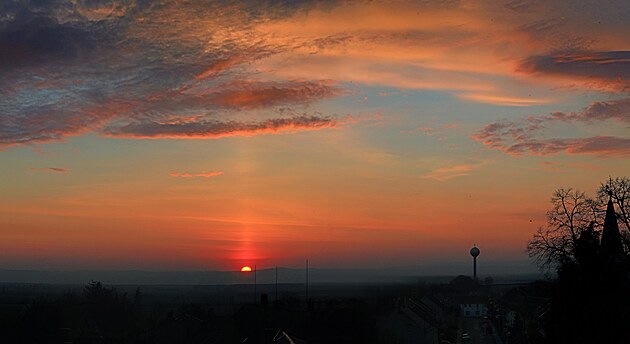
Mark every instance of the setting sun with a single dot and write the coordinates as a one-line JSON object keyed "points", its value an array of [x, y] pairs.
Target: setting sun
{"points": [[246, 269]]}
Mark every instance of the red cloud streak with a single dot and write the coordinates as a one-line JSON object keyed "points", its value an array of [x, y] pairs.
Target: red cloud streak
{"points": [[202, 129]]}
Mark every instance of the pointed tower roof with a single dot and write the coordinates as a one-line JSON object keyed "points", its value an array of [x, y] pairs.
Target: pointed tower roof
{"points": [[611, 239]]}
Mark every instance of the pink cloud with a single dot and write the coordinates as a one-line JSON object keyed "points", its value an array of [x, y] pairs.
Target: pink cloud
{"points": [[520, 137]]}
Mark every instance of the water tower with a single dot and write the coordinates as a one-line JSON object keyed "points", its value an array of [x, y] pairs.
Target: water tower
{"points": [[474, 252]]}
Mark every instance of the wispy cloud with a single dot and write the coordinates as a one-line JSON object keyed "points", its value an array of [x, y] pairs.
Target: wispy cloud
{"points": [[502, 100], [194, 175], [449, 172], [195, 128], [522, 137], [430, 131], [424, 130], [555, 166], [50, 169], [596, 145], [124, 68]]}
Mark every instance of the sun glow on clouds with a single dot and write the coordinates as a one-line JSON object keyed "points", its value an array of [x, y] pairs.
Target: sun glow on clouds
{"points": [[196, 128], [521, 79], [503, 101], [257, 56]]}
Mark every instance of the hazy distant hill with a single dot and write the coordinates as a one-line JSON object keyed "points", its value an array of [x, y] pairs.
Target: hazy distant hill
{"points": [[517, 271]]}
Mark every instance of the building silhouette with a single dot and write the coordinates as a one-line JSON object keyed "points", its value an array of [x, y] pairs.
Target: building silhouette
{"points": [[474, 252], [611, 238]]}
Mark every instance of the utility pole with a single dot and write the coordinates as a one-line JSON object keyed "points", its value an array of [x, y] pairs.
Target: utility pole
{"points": [[307, 283]]}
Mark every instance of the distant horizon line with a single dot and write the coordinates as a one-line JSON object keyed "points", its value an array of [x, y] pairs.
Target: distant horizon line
{"points": [[499, 273], [272, 267]]}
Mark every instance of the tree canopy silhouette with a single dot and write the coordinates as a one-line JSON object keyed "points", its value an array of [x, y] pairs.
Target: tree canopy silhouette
{"points": [[571, 214], [586, 240]]}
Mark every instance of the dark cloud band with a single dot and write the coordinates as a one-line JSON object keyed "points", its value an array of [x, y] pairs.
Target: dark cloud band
{"points": [[518, 138], [605, 70]]}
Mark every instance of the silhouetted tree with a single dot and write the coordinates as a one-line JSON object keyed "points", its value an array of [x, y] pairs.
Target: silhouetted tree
{"points": [[107, 313], [137, 297], [590, 303], [571, 214], [463, 283]]}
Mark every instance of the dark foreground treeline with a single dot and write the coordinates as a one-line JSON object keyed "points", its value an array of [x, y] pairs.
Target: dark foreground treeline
{"points": [[577, 307], [103, 314]]}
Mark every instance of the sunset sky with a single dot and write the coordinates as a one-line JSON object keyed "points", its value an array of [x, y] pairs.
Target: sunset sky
{"points": [[215, 134]]}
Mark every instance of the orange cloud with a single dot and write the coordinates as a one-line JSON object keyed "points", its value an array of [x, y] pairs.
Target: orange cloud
{"points": [[180, 60], [221, 65], [250, 95], [503, 100], [449, 126], [191, 175], [404, 74], [203, 129]]}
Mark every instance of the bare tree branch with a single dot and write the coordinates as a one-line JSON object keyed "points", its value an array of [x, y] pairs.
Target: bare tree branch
{"points": [[571, 214]]}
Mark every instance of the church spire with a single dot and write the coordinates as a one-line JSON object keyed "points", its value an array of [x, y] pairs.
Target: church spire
{"points": [[611, 239]]}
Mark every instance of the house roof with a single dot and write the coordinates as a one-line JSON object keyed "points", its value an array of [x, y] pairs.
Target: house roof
{"points": [[428, 299], [422, 311], [283, 337]]}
